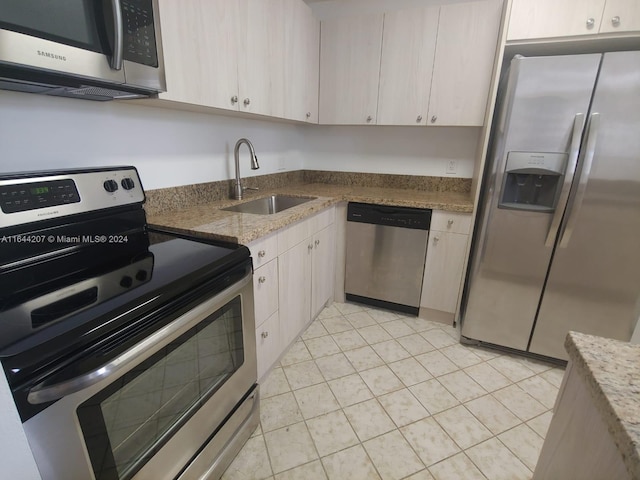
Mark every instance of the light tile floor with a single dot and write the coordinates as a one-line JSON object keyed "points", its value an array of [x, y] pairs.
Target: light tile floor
{"points": [[372, 394]]}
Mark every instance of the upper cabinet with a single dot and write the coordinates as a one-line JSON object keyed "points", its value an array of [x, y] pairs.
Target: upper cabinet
{"points": [[563, 18], [350, 69], [199, 39], [467, 41], [426, 66], [621, 16], [253, 56], [301, 62], [408, 50]]}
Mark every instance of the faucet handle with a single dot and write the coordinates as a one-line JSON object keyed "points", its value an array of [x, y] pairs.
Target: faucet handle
{"points": [[250, 188]]}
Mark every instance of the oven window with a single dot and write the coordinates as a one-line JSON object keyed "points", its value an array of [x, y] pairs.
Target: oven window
{"points": [[72, 22], [125, 424]]}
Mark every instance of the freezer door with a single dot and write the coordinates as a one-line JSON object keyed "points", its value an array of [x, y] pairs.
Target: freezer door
{"points": [[594, 280], [542, 112]]}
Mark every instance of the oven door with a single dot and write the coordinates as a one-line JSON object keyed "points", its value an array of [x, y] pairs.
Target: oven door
{"points": [[147, 413]]}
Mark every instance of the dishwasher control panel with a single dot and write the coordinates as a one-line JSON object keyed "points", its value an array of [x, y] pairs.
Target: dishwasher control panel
{"points": [[391, 216]]}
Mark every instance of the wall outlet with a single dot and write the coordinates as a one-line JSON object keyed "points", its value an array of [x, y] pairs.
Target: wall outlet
{"points": [[452, 167]]}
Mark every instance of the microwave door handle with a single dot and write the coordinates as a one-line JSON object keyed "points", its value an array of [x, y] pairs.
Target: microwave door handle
{"points": [[43, 392], [576, 136], [574, 208], [118, 36]]}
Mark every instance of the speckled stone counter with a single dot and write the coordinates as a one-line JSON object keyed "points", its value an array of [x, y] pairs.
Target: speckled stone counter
{"points": [[208, 221], [611, 372]]}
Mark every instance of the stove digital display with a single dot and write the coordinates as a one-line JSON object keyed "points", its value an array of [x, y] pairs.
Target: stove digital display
{"points": [[31, 196]]}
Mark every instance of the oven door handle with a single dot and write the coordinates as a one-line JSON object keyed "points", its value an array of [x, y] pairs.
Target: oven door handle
{"points": [[43, 392]]}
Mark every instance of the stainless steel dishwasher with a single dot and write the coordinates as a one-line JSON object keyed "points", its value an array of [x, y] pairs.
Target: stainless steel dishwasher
{"points": [[386, 249]]}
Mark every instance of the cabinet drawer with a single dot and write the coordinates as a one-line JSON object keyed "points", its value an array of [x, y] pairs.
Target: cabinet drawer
{"points": [[268, 344], [265, 290], [292, 235], [322, 220], [264, 250], [452, 222]]}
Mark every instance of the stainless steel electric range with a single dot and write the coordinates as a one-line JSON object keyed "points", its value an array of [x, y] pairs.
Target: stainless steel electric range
{"points": [[126, 359]]}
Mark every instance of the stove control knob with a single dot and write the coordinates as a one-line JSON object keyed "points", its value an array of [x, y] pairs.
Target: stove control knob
{"points": [[141, 275], [110, 185], [127, 183], [126, 281]]}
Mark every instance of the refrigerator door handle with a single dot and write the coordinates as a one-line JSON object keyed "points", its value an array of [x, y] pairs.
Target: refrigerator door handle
{"points": [[576, 205], [576, 137]]}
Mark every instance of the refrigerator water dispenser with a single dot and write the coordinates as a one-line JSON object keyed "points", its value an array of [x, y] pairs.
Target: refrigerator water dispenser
{"points": [[532, 181]]}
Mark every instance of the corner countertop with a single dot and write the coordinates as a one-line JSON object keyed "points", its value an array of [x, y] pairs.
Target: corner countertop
{"points": [[611, 371], [208, 221]]}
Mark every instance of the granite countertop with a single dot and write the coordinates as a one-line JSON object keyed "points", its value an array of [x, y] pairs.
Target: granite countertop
{"points": [[611, 371], [208, 221]]}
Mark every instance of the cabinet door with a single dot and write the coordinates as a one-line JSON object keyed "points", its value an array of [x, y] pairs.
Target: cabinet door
{"points": [[465, 52], [322, 268], [349, 69], [294, 290], [199, 39], [443, 271], [408, 49], [301, 62], [268, 344], [554, 18], [261, 57], [265, 290], [621, 16]]}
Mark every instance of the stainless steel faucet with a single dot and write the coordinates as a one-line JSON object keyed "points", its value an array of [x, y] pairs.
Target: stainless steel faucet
{"points": [[238, 189]]}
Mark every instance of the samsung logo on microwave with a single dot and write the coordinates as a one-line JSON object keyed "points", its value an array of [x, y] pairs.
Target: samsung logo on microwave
{"points": [[52, 55]]}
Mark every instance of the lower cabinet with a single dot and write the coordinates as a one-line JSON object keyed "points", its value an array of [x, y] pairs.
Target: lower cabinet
{"points": [[294, 273], [444, 265]]}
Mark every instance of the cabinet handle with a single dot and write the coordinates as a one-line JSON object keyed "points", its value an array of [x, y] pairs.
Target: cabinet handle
{"points": [[262, 253], [310, 247], [317, 242], [246, 102], [436, 240], [308, 114], [369, 119], [419, 119], [262, 279], [449, 223], [434, 118], [590, 22], [234, 100], [615, 21], [264, 334]]}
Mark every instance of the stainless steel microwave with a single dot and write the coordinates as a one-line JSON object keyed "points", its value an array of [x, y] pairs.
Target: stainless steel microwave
{"points": [[92, 49]]}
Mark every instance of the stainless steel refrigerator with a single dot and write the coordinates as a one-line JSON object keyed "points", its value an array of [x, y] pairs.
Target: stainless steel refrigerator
{"points": [[557, 242]]}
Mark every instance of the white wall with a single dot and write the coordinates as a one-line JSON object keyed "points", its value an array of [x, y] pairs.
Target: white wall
{"points": [[399, 150], [172, 148], [168, 147]]}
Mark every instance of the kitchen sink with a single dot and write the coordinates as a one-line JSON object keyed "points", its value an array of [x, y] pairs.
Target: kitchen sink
{"points": [[268, 205]]}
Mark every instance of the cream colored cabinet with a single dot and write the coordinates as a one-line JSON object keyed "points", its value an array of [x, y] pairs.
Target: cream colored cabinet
{"points": [[199, 39], [350, 49], [301, 62], [264, 254], [253, 56], [322, 268], [306, 270], [294, 290], [408, 49], [621, 16], [463, 66], [261, 57], [444, 265], [269, 345], [565, 18]]}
